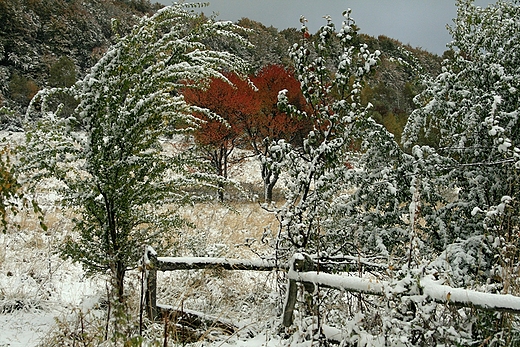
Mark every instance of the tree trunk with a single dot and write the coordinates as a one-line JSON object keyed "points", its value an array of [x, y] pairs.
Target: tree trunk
{"points": [[270, 178], [220, 163], [221, 192], [269, 187], [118, 278]]}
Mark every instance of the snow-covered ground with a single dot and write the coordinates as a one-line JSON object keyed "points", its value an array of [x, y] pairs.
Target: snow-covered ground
{"points": [[23, 328], [42, 295], [38, 289]]}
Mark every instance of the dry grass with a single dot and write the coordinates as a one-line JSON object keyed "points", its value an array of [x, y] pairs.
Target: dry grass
{"points": [[29, 263], [243, 297], [227, 231]]}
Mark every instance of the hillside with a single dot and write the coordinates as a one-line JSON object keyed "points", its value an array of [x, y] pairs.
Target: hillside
{"points": [[391, 89], [53, 43], [46, 43]]}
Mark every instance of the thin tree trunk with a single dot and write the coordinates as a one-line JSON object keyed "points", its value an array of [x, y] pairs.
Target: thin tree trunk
{"points": [[119, 280], [270, 178], [220, 192]]}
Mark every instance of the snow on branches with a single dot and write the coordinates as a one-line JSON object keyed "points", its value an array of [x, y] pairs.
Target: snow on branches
{"points": [[108, 153]]}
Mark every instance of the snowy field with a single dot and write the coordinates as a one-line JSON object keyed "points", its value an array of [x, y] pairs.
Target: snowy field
{"points": [[36, 287], [44, 298], [40, 292]]}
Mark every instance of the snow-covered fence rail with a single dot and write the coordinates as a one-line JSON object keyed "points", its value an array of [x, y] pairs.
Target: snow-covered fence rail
{"points": [[426, 287], [303, 269], [152, 264]]}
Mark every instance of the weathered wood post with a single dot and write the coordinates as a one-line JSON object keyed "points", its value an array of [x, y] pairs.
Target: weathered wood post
{"points": [[290, 302], [150, 268], [300, 263]]}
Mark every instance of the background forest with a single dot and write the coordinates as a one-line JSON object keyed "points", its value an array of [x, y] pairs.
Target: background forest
{"points": [[381, 170], [46, 44]]}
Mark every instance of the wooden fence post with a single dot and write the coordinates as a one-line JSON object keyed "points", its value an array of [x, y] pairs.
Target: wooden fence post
{"points": [[290, 302], [150, 266], [299, 263]]}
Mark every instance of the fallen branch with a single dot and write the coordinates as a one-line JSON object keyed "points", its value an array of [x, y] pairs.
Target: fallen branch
{"points": [[197, 320]]}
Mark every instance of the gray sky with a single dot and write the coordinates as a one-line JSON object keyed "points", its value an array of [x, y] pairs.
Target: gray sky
{"points": [[420, 23]]}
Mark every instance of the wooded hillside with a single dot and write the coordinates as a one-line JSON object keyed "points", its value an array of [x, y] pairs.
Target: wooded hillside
{"points": [[47, 43]]}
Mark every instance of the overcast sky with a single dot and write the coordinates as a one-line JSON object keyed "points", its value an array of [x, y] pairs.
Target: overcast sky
{"points": [[420, 23]]}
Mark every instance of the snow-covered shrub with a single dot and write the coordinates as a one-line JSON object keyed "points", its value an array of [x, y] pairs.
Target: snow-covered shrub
{"points": [[319, 172], [108, 153], [469, 115], [347, 188], [447, 211]]}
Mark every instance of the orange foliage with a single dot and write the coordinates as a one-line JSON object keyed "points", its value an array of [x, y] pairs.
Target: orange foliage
{"points": [[270, 121], [233, 102], [250, 116]]}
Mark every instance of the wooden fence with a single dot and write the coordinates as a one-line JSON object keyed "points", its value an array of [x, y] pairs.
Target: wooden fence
{"points": [[152, 264], [304, 270]]}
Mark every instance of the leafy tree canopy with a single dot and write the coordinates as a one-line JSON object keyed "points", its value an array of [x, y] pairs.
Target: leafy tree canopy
{"points": [[114, 170]]}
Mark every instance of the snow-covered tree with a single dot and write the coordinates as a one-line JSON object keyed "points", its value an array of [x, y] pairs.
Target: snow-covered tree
{"points": [[12, 195], [471, 110], [346, 187], [108, 155], [470, 113], [322, 173], [270, 124], [354, 197]]}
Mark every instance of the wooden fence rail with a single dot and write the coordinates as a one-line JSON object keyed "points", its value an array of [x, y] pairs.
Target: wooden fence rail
{"points": [[428, 287], [303, 269], [152, 264]]}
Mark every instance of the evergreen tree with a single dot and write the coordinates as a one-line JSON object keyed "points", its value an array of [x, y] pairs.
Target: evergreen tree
{"points": [[114, 170]]}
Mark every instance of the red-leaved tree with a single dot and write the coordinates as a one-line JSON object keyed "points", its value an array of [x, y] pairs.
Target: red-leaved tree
{"points": [[230, 103], [270, 125]]}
